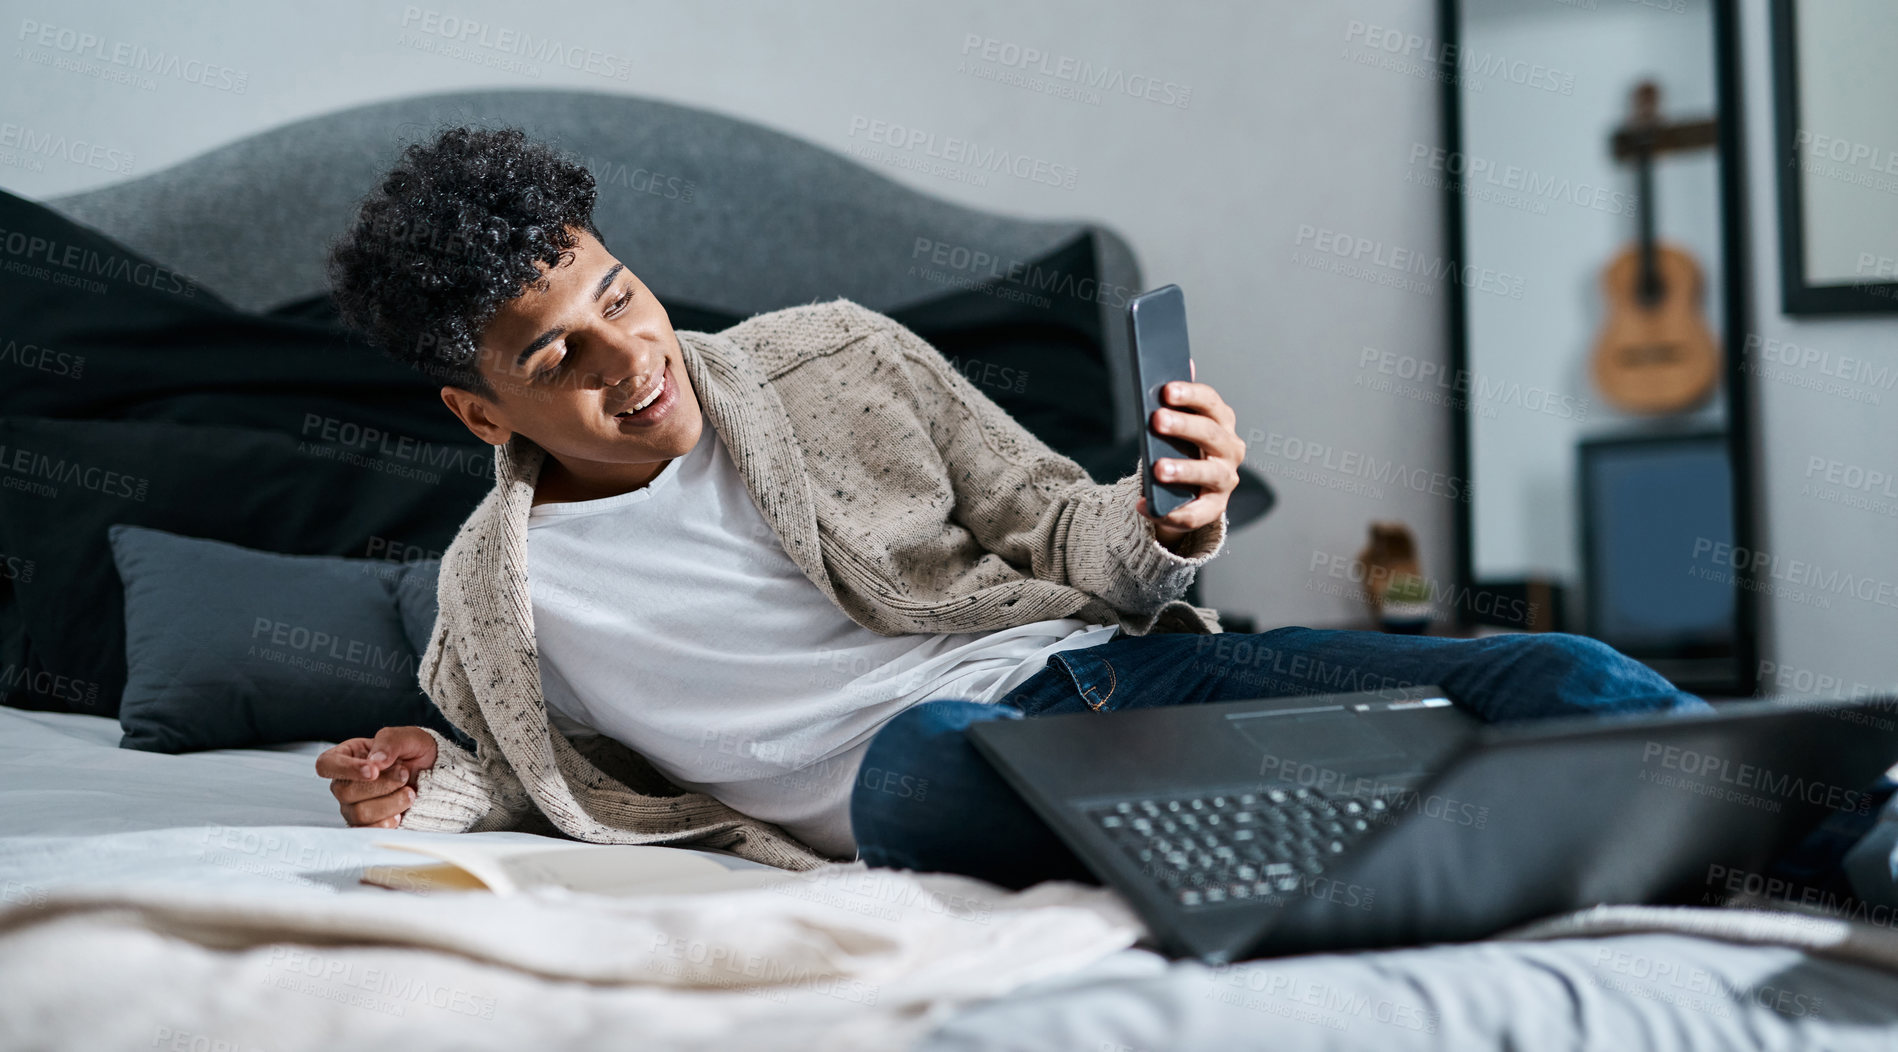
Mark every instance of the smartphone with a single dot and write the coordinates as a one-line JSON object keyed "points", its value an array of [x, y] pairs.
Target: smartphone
{"points": [[1156, 328]]}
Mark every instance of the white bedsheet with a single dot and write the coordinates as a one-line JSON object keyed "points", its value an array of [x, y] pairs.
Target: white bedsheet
{"points": [[64, 774], [211, 901]]}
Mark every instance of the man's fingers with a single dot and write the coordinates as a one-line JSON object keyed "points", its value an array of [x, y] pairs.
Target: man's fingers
{"points": [[1187, 394], [1193, 514], [330, 765], [350, 790], [371, 759], [410, 746], [1201, 398], [1187, 517], [1215, 475], [375, 809], [387, 747], [344, 760], [1212, 438]]}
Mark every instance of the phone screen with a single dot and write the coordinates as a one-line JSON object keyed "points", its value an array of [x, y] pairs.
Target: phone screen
{"points": [[1156, 324]]}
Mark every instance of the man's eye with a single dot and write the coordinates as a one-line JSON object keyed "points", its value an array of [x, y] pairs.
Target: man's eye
{"points": [[548, 373]]}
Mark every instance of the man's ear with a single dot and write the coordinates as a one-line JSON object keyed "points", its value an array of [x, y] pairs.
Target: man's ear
{"points": [[472, 410]]}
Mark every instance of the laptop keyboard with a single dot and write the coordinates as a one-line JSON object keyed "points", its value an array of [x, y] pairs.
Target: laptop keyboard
{"points": [[1209, 848]]}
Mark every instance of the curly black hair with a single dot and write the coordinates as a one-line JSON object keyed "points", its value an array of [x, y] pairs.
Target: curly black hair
{"points": [[452, 234]]}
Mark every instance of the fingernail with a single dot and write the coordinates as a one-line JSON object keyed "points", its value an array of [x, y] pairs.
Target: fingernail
{"points": [[411, 793], [401, 775], [378, 757]]}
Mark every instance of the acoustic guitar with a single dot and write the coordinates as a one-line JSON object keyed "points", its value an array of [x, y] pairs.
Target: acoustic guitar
{"points": [[1655, 353]]}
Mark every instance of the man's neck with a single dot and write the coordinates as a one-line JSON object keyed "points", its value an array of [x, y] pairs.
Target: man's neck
{"points": [[559, 484]]}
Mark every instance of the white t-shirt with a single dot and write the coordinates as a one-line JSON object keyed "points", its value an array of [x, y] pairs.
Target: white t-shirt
{"points": [[670, 619]]}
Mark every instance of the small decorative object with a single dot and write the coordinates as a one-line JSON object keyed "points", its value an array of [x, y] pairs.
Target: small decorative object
{"points": [[1406, 606], [1395, 588]]}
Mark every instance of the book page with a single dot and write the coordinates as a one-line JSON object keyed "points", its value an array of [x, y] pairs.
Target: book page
{"points": [[436, 876], [598, 869]]}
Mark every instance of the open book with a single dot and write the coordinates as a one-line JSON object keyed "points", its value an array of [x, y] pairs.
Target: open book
{"points": [[598, 869]]}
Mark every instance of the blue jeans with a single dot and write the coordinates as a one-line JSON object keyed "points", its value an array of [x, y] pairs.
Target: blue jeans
{"points": [[924, 799]]}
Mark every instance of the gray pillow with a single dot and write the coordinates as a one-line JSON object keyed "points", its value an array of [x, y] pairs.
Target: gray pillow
{"points": [[415, 585], [226, 646]]}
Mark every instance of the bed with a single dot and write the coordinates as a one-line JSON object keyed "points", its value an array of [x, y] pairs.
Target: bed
{"points": [[211, 900]]}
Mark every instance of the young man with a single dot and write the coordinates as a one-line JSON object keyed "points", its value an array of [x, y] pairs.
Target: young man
{"points": [[745, 590]]}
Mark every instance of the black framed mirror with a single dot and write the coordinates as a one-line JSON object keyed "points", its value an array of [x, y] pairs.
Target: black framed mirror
{"points": [[1836, 148], [1602, 421]]}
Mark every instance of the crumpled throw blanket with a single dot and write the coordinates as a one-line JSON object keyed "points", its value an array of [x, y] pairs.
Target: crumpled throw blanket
{"points": [[764, 959]]}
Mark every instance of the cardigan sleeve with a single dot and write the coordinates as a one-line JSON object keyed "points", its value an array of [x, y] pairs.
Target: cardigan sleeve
{"points": [[464, 792], [1037, 508]]}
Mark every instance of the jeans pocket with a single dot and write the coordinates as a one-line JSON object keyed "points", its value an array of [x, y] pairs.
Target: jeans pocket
{"points": [[1069, 682], [1093, 678]]}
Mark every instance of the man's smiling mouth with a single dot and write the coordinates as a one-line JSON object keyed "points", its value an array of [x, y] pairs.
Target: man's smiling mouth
{"points": [[654, 407], [651, 397]]}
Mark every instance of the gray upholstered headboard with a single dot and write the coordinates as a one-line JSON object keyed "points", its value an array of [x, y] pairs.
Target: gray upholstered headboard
{"points": [[708, 209]]}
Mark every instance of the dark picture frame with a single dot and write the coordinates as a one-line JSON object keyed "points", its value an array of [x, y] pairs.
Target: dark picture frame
{"points": [[1692, 661], [1797, 294], [1741, 675]]}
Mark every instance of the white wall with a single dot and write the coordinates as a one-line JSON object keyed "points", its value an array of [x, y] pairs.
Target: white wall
{"points": [[1816, 418], [1283, 130]]}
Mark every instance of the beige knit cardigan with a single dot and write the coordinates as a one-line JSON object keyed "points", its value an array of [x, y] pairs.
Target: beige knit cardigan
{"points": [[907, 497]]}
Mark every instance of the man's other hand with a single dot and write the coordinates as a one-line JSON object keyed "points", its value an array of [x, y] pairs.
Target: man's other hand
{"points": [[1203, 418], [374, 778]]}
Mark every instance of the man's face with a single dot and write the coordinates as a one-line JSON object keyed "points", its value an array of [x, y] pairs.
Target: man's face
{"points": [[572, 362]]}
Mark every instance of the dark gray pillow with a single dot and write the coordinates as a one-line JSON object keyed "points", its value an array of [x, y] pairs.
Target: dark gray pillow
{"points": [[226, 646], [415, 585]]}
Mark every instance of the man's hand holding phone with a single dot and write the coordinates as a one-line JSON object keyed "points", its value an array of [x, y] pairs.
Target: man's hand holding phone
{"points": [[1198, 415]]}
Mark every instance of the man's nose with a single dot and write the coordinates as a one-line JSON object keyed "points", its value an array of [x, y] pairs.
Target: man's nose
{"points": [[632, 365]]}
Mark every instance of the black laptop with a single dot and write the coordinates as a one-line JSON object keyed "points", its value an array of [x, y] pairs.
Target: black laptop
{"points": [[1255, 828]]}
